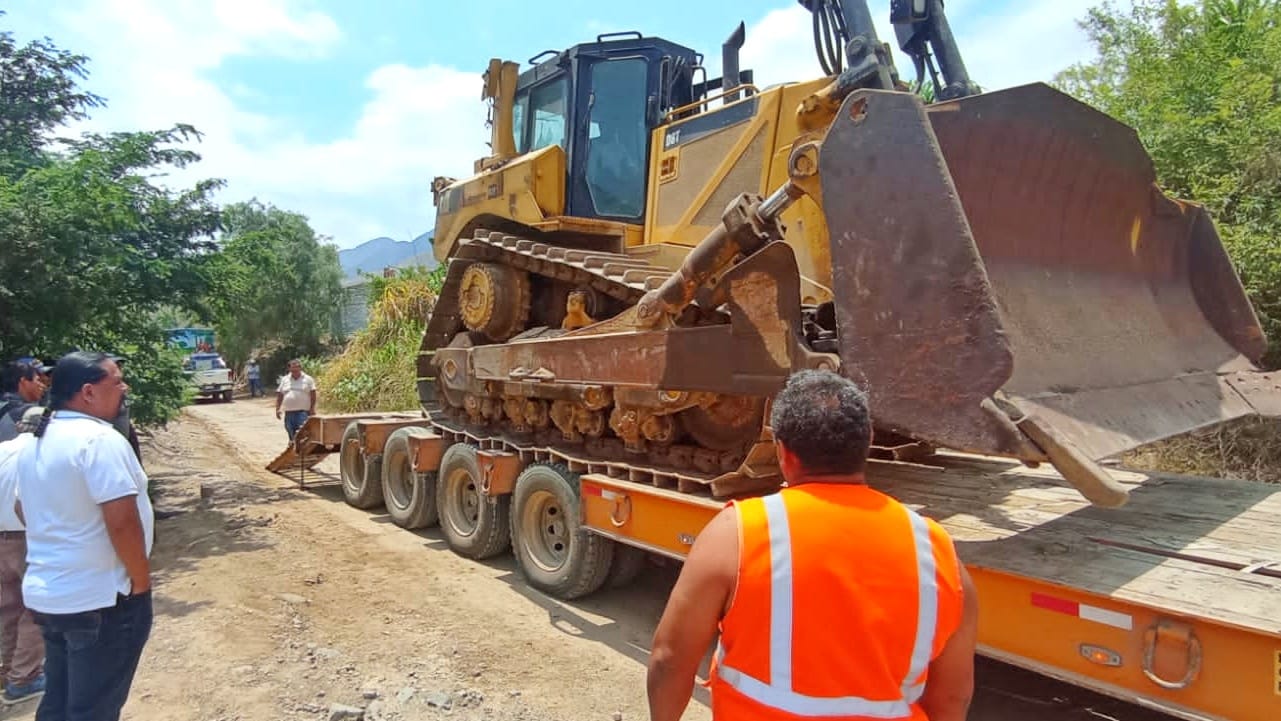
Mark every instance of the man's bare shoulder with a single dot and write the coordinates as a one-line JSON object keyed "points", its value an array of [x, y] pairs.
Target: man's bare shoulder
{"points": [[722, 530], [716, 549]]}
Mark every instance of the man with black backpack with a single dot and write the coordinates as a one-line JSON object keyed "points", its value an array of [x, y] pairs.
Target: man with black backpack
{"points": [[22, 386]]}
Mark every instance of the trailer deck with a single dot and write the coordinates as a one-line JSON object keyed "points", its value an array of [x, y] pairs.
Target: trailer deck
{"points": [[1172, 602], [1184, 581]]}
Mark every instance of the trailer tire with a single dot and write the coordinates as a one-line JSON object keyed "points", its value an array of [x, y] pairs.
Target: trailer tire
{"points": [[629, 561], [554, 552], [356, 471], [475, 526], [410, 496]]}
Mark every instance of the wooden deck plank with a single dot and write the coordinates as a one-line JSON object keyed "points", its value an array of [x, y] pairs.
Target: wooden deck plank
{"points": [[1028, 522]]}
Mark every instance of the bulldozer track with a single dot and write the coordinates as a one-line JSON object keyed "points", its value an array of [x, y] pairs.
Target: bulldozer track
{"points": [[682, 467], [637, 471], [616, 275]]}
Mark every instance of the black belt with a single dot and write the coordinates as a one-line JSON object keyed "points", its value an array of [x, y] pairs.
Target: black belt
{"points": [[13, 534]]}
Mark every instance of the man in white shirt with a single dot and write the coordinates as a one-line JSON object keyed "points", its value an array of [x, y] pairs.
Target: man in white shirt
{"points": [[21, 646], [296, 396], [83, 497]]}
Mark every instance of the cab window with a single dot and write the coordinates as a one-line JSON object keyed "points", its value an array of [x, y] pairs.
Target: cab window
{"points": [[548, 107], [519, 111], [616, 137]]}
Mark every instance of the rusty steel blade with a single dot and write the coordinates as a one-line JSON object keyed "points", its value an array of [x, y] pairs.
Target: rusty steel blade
{"points": [[1124, 314], [1014, 246], [917, 322]]}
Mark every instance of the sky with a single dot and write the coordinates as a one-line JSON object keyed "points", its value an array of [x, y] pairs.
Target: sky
{"points": [[344, 111]]}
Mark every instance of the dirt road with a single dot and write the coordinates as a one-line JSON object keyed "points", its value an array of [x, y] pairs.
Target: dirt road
{"points": [[279, 603]]}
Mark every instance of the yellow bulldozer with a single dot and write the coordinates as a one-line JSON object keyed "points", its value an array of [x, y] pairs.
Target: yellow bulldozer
{"points": [[648, 253]]}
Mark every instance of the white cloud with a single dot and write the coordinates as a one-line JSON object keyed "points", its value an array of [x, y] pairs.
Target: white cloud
{"points": [[1015, 44], [420, 120], [1033, 43], [152, 60]]}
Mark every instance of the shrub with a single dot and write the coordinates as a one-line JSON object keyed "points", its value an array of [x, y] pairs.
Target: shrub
{"points": [[377, 371]]}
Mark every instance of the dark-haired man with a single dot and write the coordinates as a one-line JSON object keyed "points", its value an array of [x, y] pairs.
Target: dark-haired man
{"points": [[295, 398], [833, 600], [83, 498], [22, 385], [21, 646]]}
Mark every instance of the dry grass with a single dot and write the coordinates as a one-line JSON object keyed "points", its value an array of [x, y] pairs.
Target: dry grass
{"points": [[376, 372], [1246, 449]]}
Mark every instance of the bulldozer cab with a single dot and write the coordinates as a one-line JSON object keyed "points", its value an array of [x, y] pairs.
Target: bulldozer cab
{"points": [[600, 101]]}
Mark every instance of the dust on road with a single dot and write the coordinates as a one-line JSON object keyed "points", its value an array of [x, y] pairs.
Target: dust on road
{"points": [[278, 603]]}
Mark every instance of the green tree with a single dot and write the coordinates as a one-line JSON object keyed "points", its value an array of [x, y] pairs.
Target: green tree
{"points": [[39, 93], [1201, 83], [89, 244], [276, 282], [88, 247]]}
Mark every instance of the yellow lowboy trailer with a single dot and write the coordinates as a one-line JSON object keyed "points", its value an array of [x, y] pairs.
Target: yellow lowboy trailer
{"points": [[1172, 602]]}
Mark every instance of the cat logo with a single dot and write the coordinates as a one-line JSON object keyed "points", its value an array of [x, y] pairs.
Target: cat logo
{"points": [[672, 138]]}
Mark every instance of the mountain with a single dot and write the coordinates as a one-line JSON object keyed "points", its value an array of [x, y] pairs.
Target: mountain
{"points": [[374, 255]]}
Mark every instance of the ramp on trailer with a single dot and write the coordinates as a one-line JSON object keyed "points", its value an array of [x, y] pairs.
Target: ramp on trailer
{"points": [[320, 436]]}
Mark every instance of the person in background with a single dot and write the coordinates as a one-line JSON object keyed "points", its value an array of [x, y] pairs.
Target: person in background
{"points": [[832, 600], [41, 368], [22, 386], [21, 646], [254, 374], [83, 497], [296, 398], [123, 422]]}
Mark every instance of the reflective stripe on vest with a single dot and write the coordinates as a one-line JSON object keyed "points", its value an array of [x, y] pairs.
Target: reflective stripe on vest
{"points": [[777, 692]]}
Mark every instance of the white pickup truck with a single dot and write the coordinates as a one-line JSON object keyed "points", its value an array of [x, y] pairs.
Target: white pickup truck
{"points": [[210, 376]]}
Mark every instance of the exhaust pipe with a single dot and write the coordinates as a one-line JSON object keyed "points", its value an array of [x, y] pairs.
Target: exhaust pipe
{"points": [[729, 61]]}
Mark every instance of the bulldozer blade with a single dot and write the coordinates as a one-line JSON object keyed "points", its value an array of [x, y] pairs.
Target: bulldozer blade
{"points": [[917, 321], [1012, 250]]}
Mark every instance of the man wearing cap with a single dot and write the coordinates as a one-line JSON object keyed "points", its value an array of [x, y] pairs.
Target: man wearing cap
{"points": [[21, 645], [21, 386], [43, 370]]}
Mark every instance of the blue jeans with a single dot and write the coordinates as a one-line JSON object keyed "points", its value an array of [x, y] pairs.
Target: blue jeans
{"points": [[294, 421], [255, 387], [90, 659]]}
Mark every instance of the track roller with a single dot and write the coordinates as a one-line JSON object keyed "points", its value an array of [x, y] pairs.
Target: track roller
{"points": [[494, 300]]}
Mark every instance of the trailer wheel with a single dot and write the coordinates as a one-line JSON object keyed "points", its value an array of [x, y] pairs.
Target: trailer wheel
{"points": [[474, 526], [629, 561], [356, 472], [555, 553], [410, 496]]}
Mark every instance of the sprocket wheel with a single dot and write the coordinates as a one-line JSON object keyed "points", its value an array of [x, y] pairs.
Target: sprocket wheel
{"points": [[726, 425], [493, 299]]}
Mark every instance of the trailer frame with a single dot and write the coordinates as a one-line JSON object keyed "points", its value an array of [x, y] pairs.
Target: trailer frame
{"points": [[1172, 603]]}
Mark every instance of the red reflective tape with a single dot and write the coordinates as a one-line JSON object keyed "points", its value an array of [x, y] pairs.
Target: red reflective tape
{"points": [[590, 490], [1059, 605]]}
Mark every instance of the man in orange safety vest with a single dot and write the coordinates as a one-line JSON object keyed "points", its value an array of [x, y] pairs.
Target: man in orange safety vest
{"points": [[832, 600]]}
